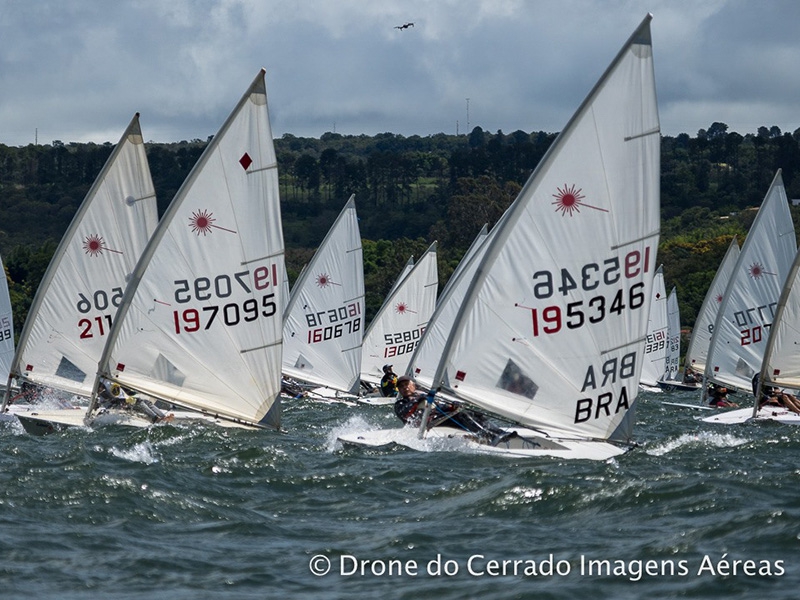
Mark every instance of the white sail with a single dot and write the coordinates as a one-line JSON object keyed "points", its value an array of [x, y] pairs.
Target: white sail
{"points": [[324, 321], [751, 297], [423, 362], [473, 249], [655, 350], [673, 373], [697, 351], [552, 330], [6, 325], [201, 321], [403, 274], [397, 328], [75, 305], [781, 365]]}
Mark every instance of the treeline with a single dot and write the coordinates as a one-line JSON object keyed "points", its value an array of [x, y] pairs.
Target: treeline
{"points": [[410, 191]]}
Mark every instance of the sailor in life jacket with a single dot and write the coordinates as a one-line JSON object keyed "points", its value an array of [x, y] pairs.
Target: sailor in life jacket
{"points": [[410, 407], [113, 396], [388, 382]]}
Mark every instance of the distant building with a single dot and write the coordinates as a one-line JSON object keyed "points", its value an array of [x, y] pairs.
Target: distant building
{"points": [[795, 201]]}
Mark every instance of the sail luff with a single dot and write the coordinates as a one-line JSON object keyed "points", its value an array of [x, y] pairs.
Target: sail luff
{"points": [[477, 242]]}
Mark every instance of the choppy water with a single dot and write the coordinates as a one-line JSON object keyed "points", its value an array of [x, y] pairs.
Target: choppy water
{"points": [[177, 513]]}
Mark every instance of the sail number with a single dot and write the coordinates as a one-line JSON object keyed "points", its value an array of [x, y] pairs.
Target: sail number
{"points": [[402, 342], [551, 319], [591, 275], [100, 300], [758, 332], [330, 324], [190, 319], [222, 286], [334, 315], [5, 331], [655, 342]]}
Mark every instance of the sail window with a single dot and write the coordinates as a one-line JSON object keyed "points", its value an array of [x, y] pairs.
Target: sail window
{"points": [[515, 381]]}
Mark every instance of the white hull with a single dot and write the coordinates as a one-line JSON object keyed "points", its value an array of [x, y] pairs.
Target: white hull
{"points": [[527, 443], [743, 415], [377, 400], [326, 394], [41, 422]]}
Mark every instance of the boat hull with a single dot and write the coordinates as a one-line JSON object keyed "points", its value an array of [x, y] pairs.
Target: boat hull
{"points": [[46, 422], [525, 443], [743, 415]]}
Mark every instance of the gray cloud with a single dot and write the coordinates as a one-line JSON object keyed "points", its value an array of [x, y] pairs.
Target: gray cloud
{"points": [[76, 70]]}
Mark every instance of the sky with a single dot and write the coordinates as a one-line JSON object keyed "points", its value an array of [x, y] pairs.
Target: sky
{"points": [[77, 70]]}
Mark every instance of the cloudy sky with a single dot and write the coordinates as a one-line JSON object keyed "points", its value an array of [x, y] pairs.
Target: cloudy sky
{"points": [[77, 70]]}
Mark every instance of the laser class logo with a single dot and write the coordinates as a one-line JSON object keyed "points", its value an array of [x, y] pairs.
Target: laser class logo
{"points": [[324, 280], [569, 200], [95, 245], [202, 222], [402, 308], [756, 271]]}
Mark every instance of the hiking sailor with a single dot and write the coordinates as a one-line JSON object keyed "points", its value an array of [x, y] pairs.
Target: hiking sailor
{"points": [[113, 396], [410, 406]]}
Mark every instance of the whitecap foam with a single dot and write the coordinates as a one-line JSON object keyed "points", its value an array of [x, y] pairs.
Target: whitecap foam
{"points": [[141, 453], [703, 438]]}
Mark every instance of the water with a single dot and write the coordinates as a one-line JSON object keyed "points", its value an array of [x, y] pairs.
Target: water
{"points": [[177, 512]]}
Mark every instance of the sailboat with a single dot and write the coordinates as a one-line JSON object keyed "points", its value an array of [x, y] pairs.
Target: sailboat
{"points": [[6, 330], [75, 305], [781, 365], [655, 350], [200, 323], [324, 320], [551, 332], [399, 324], [672, 378], [6, 324], [748, 306]]}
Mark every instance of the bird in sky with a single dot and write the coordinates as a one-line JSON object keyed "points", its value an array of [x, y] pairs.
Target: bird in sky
{"points": [[404, 26]]}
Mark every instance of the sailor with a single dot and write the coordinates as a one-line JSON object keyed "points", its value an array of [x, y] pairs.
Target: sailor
{"points": [[113, 396], [388, 382], [718, 395], [410, 407]]}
